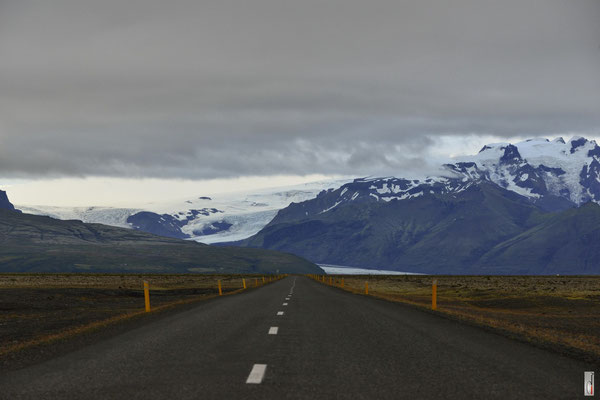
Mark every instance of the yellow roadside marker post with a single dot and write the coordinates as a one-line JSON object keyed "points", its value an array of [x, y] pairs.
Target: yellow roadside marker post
{"points": [[220, 291], [330, 281], [342, 282], [366, 287], [244, 282], [147, 296], [263, 279], [255, 282], [434, 295]]}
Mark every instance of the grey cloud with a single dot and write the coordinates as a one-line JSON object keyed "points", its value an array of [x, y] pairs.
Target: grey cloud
{"points": [[230, 88]]}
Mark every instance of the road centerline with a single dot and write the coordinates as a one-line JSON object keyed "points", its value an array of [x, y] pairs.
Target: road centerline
{"points": [[273, 330], [257, 374]]}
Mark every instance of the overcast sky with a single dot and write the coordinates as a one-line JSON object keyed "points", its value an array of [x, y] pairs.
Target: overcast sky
{"points": [[222, 89]]}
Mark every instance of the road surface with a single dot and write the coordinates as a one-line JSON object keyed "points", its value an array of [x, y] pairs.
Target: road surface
{"points": [[298, 339]]}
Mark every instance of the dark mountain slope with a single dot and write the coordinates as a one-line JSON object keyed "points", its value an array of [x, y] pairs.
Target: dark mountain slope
{"points": [[565, 243], [433, 233], [30, 243]]}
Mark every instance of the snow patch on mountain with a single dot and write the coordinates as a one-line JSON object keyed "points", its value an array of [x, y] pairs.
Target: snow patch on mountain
{"points": [[558, 163]]}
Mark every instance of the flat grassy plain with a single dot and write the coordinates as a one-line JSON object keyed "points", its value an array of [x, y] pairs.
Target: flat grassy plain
{"points": [[40, 308], [560, 312]]}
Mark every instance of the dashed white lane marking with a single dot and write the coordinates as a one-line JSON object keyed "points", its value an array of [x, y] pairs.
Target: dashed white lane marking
{"points": [[257, 374], [285, 304], [279, 312], [273, 330], [287, 299]]}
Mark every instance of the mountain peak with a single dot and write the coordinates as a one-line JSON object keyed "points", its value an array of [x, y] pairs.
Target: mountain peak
{"points": [[511, 155], [5, 204], [576, 142]]}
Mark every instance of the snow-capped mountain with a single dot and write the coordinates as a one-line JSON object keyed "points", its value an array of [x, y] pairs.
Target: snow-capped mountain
{"points": [[207, 219], [511, 209], [555, 175], [539, 167]]}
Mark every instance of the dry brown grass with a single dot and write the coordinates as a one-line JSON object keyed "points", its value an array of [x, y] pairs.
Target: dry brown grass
{"points": [[126, 281], [556, 311], [41, 308]]}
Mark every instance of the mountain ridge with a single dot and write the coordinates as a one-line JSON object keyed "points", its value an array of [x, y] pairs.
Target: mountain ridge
{"points": [[437, 231], [431, 233]]}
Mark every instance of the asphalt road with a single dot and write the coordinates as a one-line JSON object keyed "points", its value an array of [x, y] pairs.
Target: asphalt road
{"points": [[329, 344]]}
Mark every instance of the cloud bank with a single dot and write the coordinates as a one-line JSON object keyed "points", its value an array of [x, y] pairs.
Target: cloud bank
{"points": [[215, 89]]}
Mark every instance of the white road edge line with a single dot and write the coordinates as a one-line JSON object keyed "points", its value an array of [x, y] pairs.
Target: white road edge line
{"points": [[273, 330], [279, 312], [257, 374]]}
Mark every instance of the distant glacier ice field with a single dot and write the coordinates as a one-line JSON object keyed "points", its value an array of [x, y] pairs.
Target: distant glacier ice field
{"points": [[341, 270]]}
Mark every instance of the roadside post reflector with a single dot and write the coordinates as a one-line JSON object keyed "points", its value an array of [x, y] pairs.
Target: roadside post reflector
{"points": [[366, 287], [244, 282], [255, 281], [434, 295], [342, 282], [220, 290], [147, 296]]}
